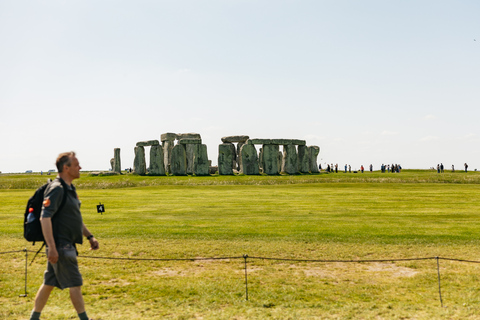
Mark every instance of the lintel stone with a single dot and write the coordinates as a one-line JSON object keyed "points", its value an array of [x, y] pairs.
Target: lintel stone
{"points": [[169, 136], [181, 136], [190, 141], [283, 142], [148, 143], [233, 139]]}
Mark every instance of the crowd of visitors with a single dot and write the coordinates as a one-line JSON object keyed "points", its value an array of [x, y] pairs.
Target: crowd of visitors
{"points": [[441, 168], [331, 168]]}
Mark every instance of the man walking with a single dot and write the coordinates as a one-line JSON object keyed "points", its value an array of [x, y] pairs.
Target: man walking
{"points": [[62, 230]]}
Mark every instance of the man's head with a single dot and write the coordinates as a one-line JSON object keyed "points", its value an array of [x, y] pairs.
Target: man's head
{"points": [[68, 166]]}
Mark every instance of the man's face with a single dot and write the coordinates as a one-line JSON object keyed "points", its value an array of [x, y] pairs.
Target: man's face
{"points": [[73, 171]]}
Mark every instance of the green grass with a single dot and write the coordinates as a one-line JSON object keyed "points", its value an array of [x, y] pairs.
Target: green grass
{"points": [[327, 216]]}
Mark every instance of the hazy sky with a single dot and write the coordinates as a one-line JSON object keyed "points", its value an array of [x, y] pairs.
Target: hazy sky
{"points": [[366, 81]]}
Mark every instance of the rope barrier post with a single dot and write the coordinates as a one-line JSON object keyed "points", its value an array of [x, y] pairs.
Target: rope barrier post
{"points": [[26, 272], [245, 256], [439, 286]]}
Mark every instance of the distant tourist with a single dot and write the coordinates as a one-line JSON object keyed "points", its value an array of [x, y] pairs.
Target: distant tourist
{"points": [[466, 167], [453, 168]]}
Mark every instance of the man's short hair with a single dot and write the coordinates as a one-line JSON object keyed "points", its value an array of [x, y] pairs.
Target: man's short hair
{"points": [[64, 158]]}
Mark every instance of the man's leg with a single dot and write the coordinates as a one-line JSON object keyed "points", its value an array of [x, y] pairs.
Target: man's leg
{"points": [[41, 300], [78, 303], [77, 299], [42, 297]]}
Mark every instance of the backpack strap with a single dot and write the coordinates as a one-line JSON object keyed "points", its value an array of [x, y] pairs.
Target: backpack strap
{"points": [[64, 199]]}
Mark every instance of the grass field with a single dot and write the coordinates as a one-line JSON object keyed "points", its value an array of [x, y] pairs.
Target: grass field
{"points": [[370, 216]]}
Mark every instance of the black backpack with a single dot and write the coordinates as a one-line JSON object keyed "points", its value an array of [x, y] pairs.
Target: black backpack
{"points": [[32, 228]]}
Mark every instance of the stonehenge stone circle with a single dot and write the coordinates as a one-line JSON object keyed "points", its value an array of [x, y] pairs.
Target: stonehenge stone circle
{"points": [[184, 153]]}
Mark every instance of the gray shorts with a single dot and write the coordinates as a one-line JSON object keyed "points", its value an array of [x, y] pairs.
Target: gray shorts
{"points": [[64, 273]]}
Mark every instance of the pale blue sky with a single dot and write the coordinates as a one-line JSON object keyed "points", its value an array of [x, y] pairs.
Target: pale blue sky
{"points": [[366, 81]]}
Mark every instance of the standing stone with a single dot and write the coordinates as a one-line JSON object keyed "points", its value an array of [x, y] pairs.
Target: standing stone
{"points": [[226, 153], [270, 159], [112, 163], [289, 163], [191, 150], [313, 152], [200, 161], [139, 165], [303, 162], [167, 154], [117, 167], [157, 167], [248, 160], [178, 163]]}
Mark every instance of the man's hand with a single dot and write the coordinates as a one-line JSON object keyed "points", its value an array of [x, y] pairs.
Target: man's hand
{"points": [[52, 255], [94, 244]]}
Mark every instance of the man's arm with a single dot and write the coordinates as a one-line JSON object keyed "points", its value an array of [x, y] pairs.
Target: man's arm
{"points": [[93, 242], [48, 235]]}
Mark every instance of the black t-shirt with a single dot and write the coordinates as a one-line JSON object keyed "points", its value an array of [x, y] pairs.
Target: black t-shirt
{"points": [[67, 223]]}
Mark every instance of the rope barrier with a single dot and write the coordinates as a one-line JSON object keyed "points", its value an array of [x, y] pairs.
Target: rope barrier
{"points": [[245, 257], [7, 252]]}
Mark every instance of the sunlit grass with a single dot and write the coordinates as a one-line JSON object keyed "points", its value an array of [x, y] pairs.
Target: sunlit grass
{"points": [[326, 217]]}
